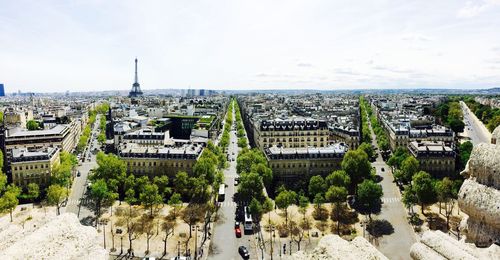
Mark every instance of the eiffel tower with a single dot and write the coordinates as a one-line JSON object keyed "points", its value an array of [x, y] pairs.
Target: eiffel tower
{"points": [[136, 87]]}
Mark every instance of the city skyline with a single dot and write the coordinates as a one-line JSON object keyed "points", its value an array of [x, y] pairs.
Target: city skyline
{"points": [[91, 45]]}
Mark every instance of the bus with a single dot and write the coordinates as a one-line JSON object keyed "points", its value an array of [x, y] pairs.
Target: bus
{"points": [[248, 223], [222, 193]]}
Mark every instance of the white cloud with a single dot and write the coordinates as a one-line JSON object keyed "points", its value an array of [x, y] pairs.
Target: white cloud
{"points": [[90, 45], [474, 8]]}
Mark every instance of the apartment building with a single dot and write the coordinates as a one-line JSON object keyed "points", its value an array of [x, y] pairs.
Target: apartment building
{"points": [[33, 165], [291, 133], [159, 160], [290, 164], [435, 157], [147, 137]]}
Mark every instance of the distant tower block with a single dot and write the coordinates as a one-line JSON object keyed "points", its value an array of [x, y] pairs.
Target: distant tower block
{"points": [[136, 87]]}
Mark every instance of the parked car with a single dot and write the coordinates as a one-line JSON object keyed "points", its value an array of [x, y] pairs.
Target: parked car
{"points": [[78, 174], [243, 252], [236, 224], [236, 181], [237, 232]]}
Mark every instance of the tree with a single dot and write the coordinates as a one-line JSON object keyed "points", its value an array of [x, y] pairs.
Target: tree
{"points": [[267, 207], [303, 205], [9, 199], [409, 198], [175, 202], [255, 209], [250, 186], [264, 171], [297, 233], [317, 185], [357, 166], [409, 167], [368, 149], [205, 167], [193, 214], [336, 195], [168, 229], [128, 219], [101, 138], [424, 189], [56, 195], [181, 184], [130, 197], [147, 227], [33, 191], [338, 178], [32, 125], [369, 194], [457, 125], [399, 155], [465, 150], [110, 166], [284, 199], [162, 183], [150, 197], [102, 195], [445, 193]]}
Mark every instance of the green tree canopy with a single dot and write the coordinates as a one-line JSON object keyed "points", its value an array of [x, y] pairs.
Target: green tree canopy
{"points": [[250, 186], [424, 189], [357, 166], [369, 197], [338, 178], [32, 125], [150, 197], [284, 199], [317, 185]]}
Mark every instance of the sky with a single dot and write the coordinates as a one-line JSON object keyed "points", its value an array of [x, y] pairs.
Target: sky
{"points": [[90, 45]]}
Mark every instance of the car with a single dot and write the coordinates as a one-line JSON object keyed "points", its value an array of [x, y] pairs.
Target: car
{"points": [[243, 252], [382, 169], [78, 174], [236, 181], [236, 224], [237, 232]]}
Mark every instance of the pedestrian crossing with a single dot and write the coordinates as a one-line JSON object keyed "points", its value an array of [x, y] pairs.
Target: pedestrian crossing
{"points": [[391, 200], [76, 202], [231, 204]]}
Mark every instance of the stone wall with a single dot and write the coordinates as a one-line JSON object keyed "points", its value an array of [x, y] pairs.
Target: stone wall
{"points": [[479, 196], [334, 247], [436, 245]]}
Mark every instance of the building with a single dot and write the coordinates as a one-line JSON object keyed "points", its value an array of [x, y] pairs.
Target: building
{"points": [[146, 137], [61, 136], [159, 160], [292, 133], [2, 90], [33, 166], [435, 157], [289, 164]]}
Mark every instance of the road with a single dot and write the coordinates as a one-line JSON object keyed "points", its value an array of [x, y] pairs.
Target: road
{"points": [[224, 243], [474, 128], [396, 245], [77, 194]]}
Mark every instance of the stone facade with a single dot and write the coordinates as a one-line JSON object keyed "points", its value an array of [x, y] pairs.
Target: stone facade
{"points": [[436, 245], [479, 196], [334, 247]]}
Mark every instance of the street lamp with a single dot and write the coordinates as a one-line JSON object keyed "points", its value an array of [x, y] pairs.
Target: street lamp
{"points": [[103, 222], [196, 242]]}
